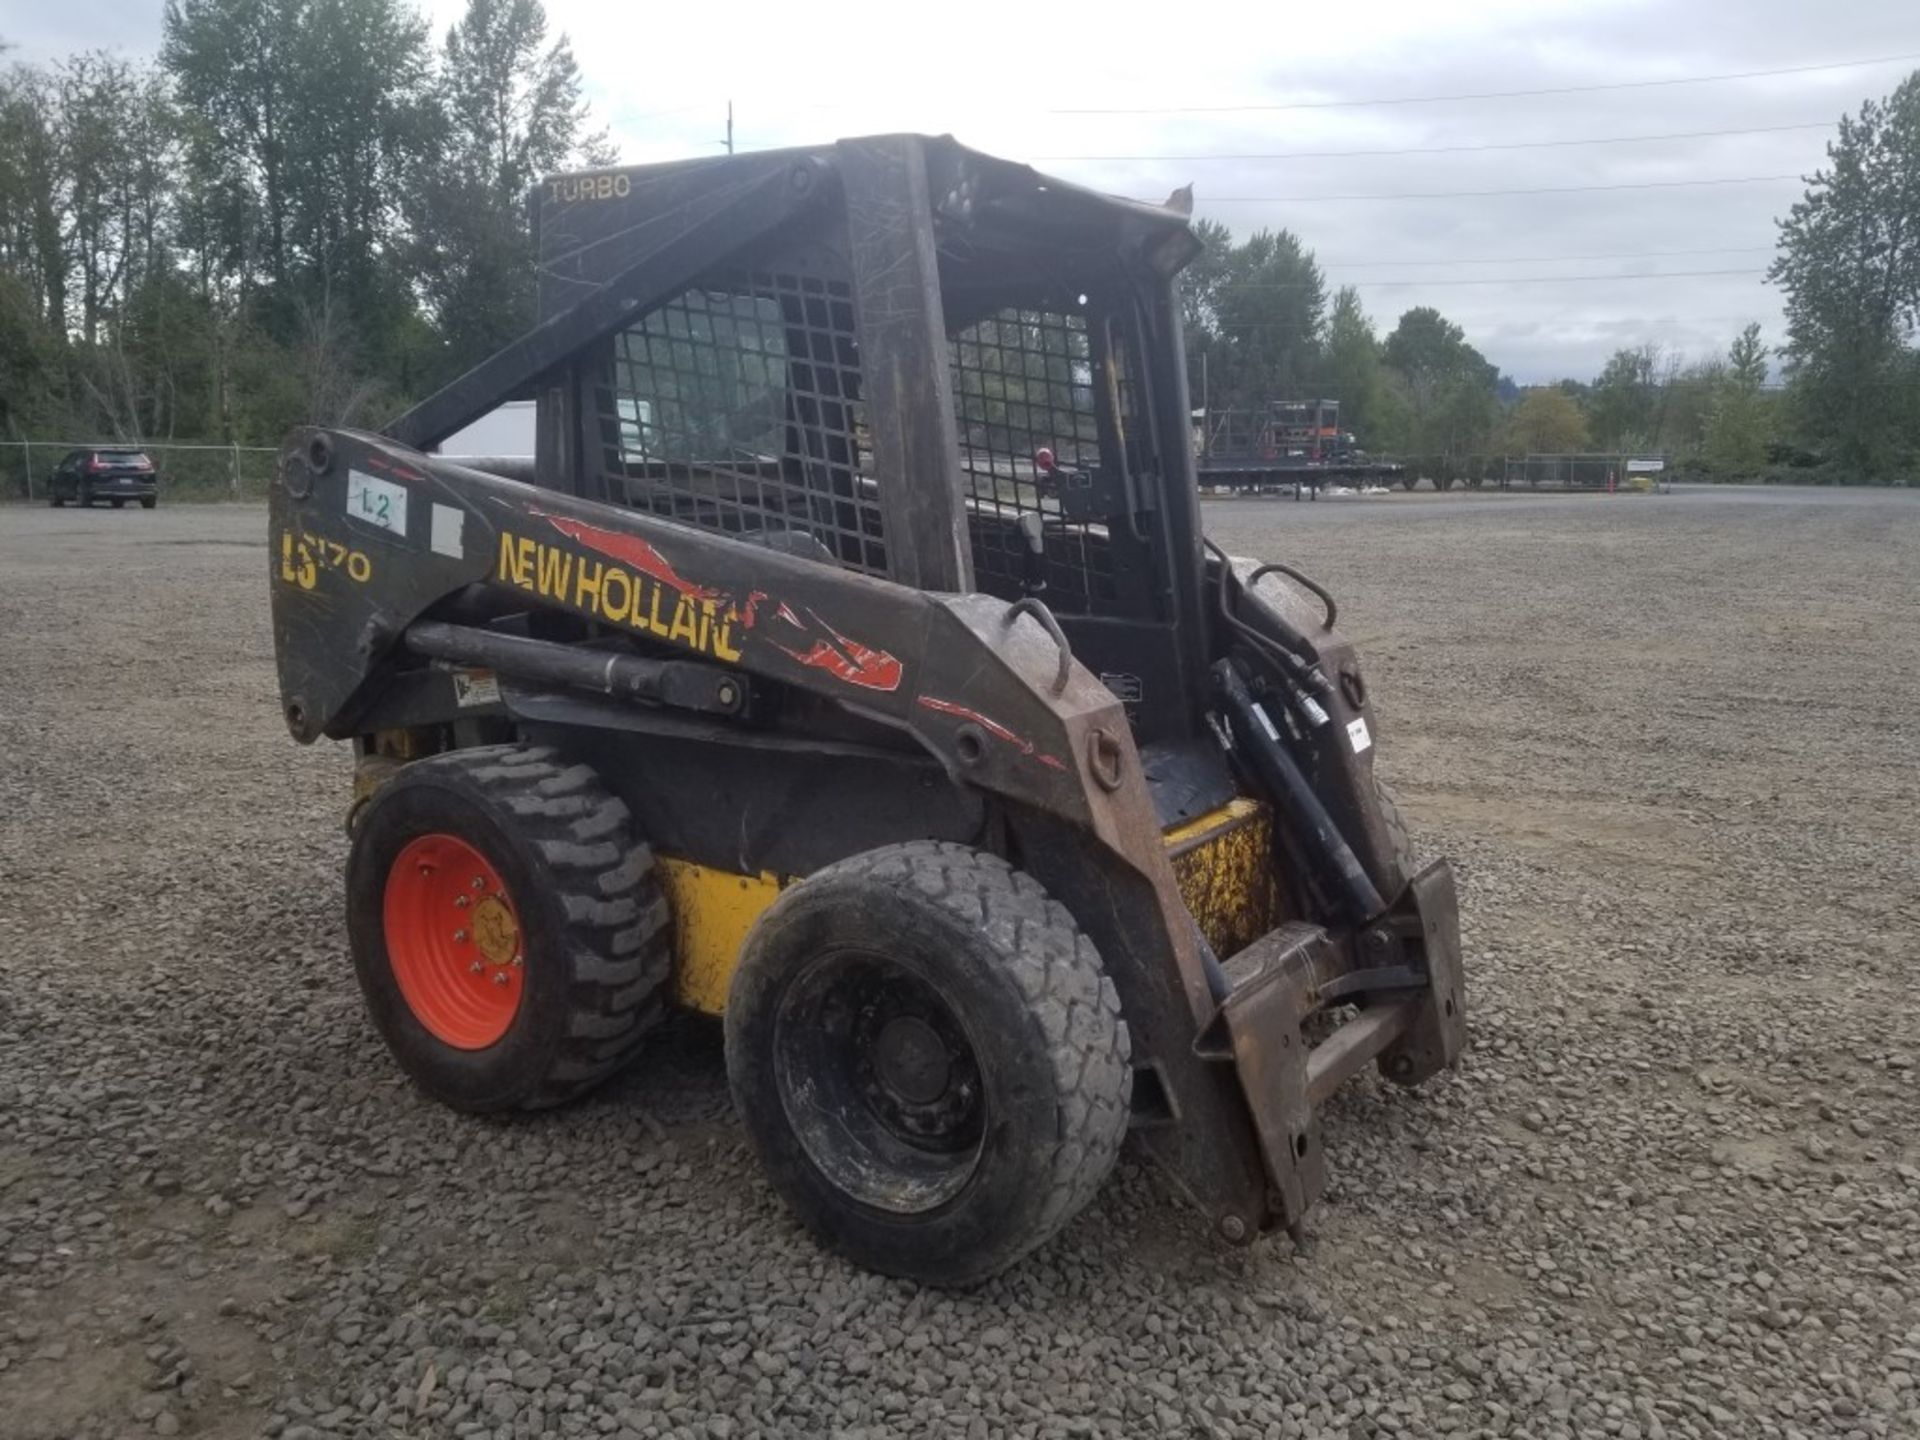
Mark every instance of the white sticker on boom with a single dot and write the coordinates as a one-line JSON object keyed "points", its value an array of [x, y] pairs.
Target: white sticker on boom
{"points": [[376, 502], [448, 523], [1260, 713], [475, 687], [1357, 733]]}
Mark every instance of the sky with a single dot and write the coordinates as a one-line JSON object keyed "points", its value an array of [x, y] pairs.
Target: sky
{"points": [[1260, 107]]}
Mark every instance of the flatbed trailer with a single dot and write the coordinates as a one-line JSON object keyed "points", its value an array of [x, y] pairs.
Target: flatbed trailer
{"points": [[1270, 475]]}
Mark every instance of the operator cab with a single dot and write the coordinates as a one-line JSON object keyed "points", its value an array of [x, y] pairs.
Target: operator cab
{"points": [[745, 399]]}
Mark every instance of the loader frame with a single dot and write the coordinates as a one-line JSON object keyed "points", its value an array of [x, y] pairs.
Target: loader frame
{"points": [[771, 695]]}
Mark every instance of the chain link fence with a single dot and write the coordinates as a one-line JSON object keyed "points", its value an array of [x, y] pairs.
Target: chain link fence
{"points": [[187, 472], [243, 472], [1589, 471], [1608, 470], [1443, 472]]}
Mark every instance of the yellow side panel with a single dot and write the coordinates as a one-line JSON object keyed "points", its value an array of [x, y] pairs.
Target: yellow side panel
{"points": [[1204, 827], [712, 912], [1225, 865], [1223, 861]]}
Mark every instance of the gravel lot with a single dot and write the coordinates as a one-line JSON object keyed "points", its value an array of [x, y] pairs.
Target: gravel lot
{"points": [[1671, 742]]}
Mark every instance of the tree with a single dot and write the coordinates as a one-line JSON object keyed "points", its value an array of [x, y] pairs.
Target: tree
{"points": [[1747, 358], [27, 357], [1353, 365], [225, 245], [1687, 398], [1425, 345], [514, 108], [1737, 430], [512, 111], [1270, 306], [1200, 282], [35, 188], [1547, 421], [1200, 286], [317, 114], [117, 129], [1849, 263], [237, 64], [1443, 388], [1625, 398]]}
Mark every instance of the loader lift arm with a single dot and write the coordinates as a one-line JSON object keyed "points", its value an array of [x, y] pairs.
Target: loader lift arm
{"points": [[1059, 755]]}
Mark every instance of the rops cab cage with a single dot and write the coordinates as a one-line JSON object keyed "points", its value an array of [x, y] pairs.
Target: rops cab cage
{"points": [[850, 663]]}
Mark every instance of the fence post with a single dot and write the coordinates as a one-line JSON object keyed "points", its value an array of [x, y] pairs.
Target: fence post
{"points": [[26, 459], [236, 469]]}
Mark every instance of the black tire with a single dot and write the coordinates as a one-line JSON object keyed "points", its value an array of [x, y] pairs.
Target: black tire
{"points": [[118, 503], [593, 922], [1033, 1089], [55, 501], [86, 498], [1398, 841], [147, 502]]}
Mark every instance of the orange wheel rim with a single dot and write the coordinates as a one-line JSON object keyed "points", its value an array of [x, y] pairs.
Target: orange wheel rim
{"points": [[454, 941]]}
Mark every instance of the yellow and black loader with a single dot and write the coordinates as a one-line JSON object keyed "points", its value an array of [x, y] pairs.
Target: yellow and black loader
{"points": [[848, 662]]}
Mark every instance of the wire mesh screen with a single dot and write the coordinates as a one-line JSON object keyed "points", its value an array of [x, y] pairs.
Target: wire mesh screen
{"points": [[736, 406], [1024, 381]]}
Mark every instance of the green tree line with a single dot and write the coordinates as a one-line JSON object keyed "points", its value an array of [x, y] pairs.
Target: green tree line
{"points": [[314, 210], [1260, 328], [1839, 400], [304, 210]]}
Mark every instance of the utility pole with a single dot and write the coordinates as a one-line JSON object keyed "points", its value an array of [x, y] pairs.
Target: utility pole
{"points": [[729, 127], [1206, 408]]}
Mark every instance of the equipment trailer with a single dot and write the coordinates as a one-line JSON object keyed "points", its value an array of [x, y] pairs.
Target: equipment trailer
{"points": [[1288, 445], [997, 812]]}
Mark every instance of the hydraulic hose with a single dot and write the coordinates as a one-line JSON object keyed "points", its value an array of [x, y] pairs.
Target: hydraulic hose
{"points": [[1335, 865]]}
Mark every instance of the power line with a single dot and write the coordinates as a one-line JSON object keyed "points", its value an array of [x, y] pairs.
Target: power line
{"points": [[1482, 194], [1454, 149], [1547, 259], [1657, 321], [1481, 95], [1495, 280], [1493, 320], [676, 110]]}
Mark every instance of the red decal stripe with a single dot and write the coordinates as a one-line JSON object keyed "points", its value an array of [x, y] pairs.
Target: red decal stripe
{"points": [[992, 727], [846, 659], [629, 550], [843, 658]]}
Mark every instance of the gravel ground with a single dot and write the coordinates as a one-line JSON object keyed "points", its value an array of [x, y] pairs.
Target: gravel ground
{"points": [[1670, 741]]}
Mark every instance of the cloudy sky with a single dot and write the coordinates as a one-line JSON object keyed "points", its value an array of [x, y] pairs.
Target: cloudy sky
{"points": [[1262, 108]]}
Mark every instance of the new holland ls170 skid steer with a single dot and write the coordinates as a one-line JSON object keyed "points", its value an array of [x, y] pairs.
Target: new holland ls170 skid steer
{"points": [[850, 663]]}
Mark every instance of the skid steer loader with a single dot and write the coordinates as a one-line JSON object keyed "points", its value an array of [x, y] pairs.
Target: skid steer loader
{"points": [[849, 663]]}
